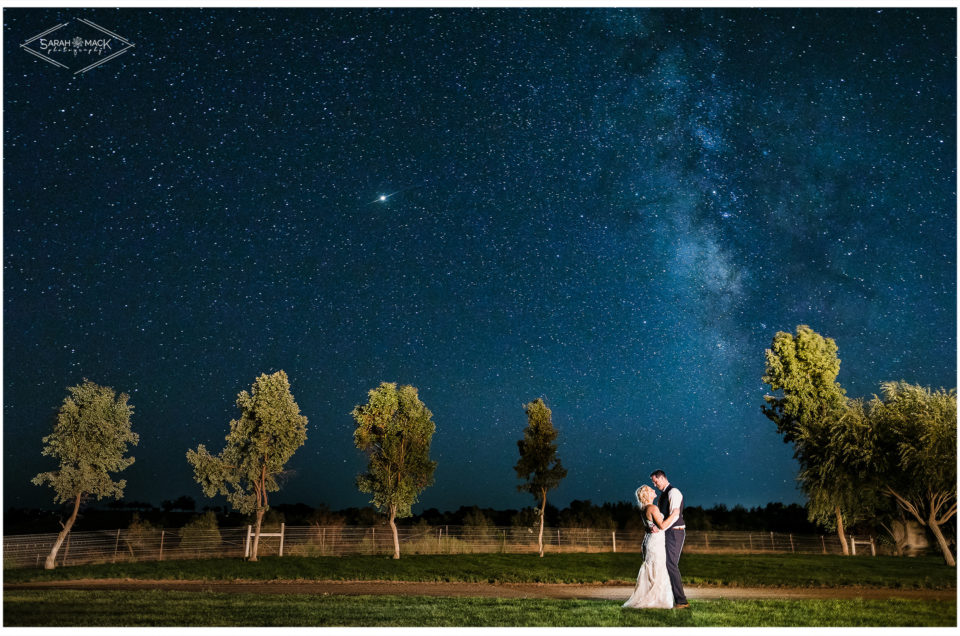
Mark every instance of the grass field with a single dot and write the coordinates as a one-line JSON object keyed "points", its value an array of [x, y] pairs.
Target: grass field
{"points": [[178, 608], [697, 569], [155, 608]]}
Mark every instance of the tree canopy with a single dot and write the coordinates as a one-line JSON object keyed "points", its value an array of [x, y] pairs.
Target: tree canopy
{"points": [[804, 368]]}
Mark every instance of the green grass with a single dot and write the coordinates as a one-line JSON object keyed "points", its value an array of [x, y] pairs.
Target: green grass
{"points": [[697, 569], [156, 608]]}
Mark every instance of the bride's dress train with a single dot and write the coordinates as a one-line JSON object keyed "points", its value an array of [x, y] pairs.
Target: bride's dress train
{"points": [[653, 582]]}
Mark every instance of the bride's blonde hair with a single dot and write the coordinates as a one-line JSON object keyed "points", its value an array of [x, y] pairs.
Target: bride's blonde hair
{"points": [[645, 495]]}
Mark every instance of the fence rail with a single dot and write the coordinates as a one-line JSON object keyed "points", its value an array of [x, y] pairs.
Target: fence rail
{"points": [[113, 546]]}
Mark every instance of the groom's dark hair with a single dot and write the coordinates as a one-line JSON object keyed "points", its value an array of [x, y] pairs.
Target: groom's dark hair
{"points": [[658, 473]]}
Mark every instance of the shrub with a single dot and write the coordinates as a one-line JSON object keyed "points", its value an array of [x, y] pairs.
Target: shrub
{"points": [[201, 533]]}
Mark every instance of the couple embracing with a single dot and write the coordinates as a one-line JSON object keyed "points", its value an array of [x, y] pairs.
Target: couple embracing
{"points": [[658, 583]]}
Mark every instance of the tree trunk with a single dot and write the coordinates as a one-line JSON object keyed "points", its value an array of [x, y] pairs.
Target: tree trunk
{"points": [[261, 491], [256, 534], [51, 561], [543, 509], [841, 533], [393, 527], [944, 547]]}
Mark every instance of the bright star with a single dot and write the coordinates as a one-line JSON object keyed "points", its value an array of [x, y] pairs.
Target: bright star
{"points": [[384, 197]]}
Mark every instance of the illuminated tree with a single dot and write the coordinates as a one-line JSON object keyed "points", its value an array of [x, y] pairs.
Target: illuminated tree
{"points": [[916, 432], [89, 439], [811, 412], [539, 467], [838, 474], [394, 429], [260, 443]]}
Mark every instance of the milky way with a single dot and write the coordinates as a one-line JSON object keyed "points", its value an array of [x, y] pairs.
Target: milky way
{"points": [[613, 209]]}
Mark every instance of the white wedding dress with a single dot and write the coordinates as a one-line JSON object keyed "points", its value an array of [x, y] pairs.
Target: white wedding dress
{"points": [[653, 582]]}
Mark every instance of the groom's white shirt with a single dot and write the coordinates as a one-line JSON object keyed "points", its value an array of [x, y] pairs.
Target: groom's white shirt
{"points": [[675, 497]]}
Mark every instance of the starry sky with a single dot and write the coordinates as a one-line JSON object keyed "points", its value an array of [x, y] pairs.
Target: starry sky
{"points": [[615, 209]]}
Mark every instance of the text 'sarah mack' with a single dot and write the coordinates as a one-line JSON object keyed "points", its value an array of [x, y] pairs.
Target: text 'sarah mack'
{"points": [[103, 43]]}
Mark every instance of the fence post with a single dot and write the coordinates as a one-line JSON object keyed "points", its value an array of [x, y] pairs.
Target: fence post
{"points": [[116, 545], [706, 539], [558, 538], [246, 544], [751, 541], [873, 547], [824, 544], [323, 541], [161, 546], [282, 525], [853, 545], [373, 531], [773, 545], [791, 544]]}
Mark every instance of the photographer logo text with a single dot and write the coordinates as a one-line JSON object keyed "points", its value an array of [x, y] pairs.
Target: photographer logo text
{"points": [[78, 46]]}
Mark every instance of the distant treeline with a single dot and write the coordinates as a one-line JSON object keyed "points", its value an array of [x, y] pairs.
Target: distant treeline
{"points": [[624, 516]]}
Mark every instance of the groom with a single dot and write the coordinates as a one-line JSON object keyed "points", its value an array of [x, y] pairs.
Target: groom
{"points": [[670, 504]]}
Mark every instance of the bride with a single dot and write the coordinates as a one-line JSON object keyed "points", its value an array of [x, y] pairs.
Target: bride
{"points": [[653, 582]]}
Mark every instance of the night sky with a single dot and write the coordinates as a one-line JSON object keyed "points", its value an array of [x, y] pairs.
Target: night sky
{"points": [[613, 209]]}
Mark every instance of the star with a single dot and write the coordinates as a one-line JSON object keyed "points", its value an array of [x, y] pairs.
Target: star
{"points": [[383, 197]]}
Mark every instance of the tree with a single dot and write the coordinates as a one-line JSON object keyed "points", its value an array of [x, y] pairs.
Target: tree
{"points": [[260, 443], [89, 439], [841, 487], [812, 413], [394, 429], [539, 467], [916, 429]]}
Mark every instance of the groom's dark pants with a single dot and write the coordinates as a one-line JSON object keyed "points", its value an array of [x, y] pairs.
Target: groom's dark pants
{"points": [[674, 544]]}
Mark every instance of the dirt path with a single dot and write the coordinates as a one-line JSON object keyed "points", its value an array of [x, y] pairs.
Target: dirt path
{"points": [[501, 590]]}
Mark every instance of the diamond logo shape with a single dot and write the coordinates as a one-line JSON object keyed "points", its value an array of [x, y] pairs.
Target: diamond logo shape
{"points": [[79, 46]]}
